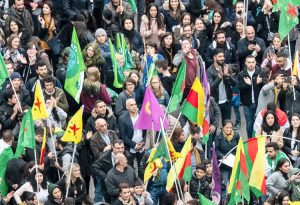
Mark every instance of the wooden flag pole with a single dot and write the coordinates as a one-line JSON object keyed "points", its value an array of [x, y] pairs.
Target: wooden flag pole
{"points": [[70, 173], [17, 97], [290, 54], [36, 172]]}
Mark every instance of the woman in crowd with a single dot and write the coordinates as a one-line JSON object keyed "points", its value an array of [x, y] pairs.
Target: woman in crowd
{"points": [[92, 55], [203, 32], [152, 24], [158, 90], [271, 128], [16, 28], [283, 198], [185, 19], [36, 183], [178, 139], [275, 47], [172, 11], [76, 185], [125, 197], [293, 184], [217, 20], [139, 89], [55, 196], [238, 33]]}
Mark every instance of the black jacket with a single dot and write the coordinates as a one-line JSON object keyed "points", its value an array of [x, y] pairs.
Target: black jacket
{"points": [[214, 81], [287, 148], [14, 172], [135, 39], [243, 51], [287, 98], [199, 185], [223, 146], [246, 90]]}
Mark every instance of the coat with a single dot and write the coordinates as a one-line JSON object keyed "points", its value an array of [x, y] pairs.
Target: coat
{"points": [[199, 185], [223, 146], [243, 51], [152, 32]]}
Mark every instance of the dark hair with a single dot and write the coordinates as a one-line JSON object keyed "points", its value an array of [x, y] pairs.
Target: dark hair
{"points": [[49, 79], [32, 179], [183, 15], [128, 18], [187, 25], [7, 94], [162, 39], [123, 186], [59, 141], [271, 106], [152, 44], [219, 32], [136, 73], [178, 10], [18, 24], [274, 145], [159, 17], [249, 56], [193, 202], [291, 127], [218, 51], [194, 142], [280, 163], [50, 4], [162, 64], [225, 122], [169, 198], [138, 182], [7, 136], [40, 64], [98, 101], [265, 127], [130, 80], [222, 18], [206, 162], [176, 135], [282, 54], [38, 130], [201, 166], [118, 141], [282, 195]]}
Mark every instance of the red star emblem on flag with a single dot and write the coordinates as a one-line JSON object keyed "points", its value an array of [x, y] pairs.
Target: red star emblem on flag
{"points": [[38, 103], [274, 1], [74, 128], [25, 129], [291, 11]]}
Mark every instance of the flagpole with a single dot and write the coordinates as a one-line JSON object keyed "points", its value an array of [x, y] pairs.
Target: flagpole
{"points": [[36, 172], [55, 154], [71, 167], [153, 132], [290, 54], [17, 97], [177, 120], [246, 14]]}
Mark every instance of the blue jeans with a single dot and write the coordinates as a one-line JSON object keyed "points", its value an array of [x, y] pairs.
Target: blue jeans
{"points": [[98, 190], [237, 114], [157, 193], [249, 112], [225, 174]]}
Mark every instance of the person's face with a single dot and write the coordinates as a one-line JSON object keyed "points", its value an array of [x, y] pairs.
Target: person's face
{"points": [[221, 38], [13, 99], [239, 27], [250, 34], [276, 43], [116, 2], [285, 168], [14, 27], [250, 63], [295, 122], [101, 108], [209, 168], [153, 11], [39, 178], [186, 45], [56, 193], [118, 148], [101, 38], [181, 137], [168, 40], [281, 61], [42, 71], [199, 174], [129, 87], [10, 68], [187, 31], [155, 84], [15, 43], [139, 190], [186, 20], [128, 25], [150, 50], [227, 128], [90, 51], [217, 17], [271, 152], [270, 119], [219, 58], [19, 6], [132, 107], [39, 138], [49, 87], [285, 200], [32, 51], [125, 194], [174, 4], [46, 9], [199, 26], [185, 188], [135, 77], [16, 82], [102, 126], [239, 7], [76, 172], [123, 161]]}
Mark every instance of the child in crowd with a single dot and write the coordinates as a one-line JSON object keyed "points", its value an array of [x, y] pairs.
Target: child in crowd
{"points": [[236, 100], [208, 170], [199, 182], [141, 195]]}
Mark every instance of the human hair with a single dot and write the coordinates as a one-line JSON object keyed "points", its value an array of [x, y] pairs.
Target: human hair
{"points": [[91, 84], [15, 21], [130, 80], [33, 181], [177, 12], [50, 4], [7, 94], [7, 136], [192, 202], [219, 32], [162, 39], [99, 101], [75, 165], [152, 44], [291, 128], [123, 186], [282, 54], [187, 25], [265, 127], [30, 45], [217, 51], [201, 167], [280, 163], [38, 130], [274, 145], [128, 18], [222, 18], [184, 14], [169, 198], [206, 162], [160, 93], [10, 39], [138, 182], [89, 19], [176, 135], [40, 64], [137, 74], [282, 195], [95, 59], [117, 141], [159, 17], [250, 56], [227, 121], [49, 79], [271, 106]]}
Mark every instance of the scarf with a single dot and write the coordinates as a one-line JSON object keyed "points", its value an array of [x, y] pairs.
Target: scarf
{"points": [[130, 202], [228, 137]]}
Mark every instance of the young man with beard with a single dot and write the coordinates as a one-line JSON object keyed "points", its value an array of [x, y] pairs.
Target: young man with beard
{"points": [[187, 34], [220, 42], [221, 83]]}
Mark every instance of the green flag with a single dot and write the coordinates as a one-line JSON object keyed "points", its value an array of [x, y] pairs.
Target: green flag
{"points": [[278, 4], [26, 134], [118, 44], [3, 71], [162, 150], [75, 70], [133, 5], [128, 62], [288, 20], [119, 77], [204, 200], [178, 88], [5, 156]]}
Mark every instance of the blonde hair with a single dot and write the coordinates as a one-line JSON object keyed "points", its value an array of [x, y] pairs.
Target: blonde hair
{"points": [[160, 92], [74, 166], [91, 85]]}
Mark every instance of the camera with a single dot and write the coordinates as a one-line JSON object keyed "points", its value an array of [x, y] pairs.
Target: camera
{"points": [[253, 42]]}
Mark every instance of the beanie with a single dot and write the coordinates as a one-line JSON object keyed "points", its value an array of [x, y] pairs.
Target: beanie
{"points": [[15, 75], [100, 31]]}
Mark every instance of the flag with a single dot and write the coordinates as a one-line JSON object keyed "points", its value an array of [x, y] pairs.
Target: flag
{"points": [[152, 166], [26, 132], [278, 4], [255, 157], [174, 155], [29, 140], [133, 5], [216, 178], [73, 132], [294, 203], [296, 68], [238, 186], [39, 110], [288, 20], [178, 88], [3, 71], [178, 165], [75, 69], [119, 78], [162, 150], [6, 155], [186, 172], [119, 47], [206, 121], [43, 150], [128, 61], [204, 200], [234, 2], [150, 113], [195, 104]]}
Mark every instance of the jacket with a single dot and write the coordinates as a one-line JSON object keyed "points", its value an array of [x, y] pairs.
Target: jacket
{"points": [[290, 105], [246, 90], [214, 113], [214, 81], [97, 143], [58, 93], [243, 51], [127, 12], [223, 146], [6, 112], [72, 7], [120, 107], [275, 183], [135, 39], [287, 148], [152, 32], [169, 20], [199, 185]]}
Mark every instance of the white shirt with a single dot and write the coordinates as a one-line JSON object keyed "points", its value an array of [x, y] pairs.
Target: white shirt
{"points": [[137, 134]]}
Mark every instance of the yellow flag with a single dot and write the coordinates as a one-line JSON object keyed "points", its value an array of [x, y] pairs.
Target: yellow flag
{"points": [[177, 166], [296, 65], [39, 110], [294, 203], [73, 132], [151, 167], [174, 155]]}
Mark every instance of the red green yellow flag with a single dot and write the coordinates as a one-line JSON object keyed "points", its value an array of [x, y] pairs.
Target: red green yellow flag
{"points": [[186, 172], [152, 166], [194, 107], [43, 150], [288, 19]]}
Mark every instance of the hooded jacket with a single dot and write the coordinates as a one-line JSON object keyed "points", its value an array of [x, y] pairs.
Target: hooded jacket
{"points": [[199, 185], [51, 200]]}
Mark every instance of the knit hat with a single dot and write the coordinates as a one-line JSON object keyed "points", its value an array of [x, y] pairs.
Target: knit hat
{"points": [[51, 187], [15, 75], [100, 31]]}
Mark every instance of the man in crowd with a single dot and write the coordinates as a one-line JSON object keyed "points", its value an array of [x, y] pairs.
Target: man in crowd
{"points": [[125, 95]]}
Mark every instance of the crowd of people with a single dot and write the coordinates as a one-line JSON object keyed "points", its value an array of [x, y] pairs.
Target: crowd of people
{"points": [[246, 63]]}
